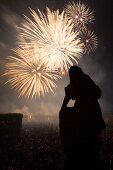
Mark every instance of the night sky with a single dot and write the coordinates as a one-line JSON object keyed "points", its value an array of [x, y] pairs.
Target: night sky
{"points": [[99, 64]]}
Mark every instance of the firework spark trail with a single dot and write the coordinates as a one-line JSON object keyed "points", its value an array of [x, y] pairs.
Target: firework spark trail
{"points": [[80, 14], [89, 39], [28, 75], [46, 45], [56, 41]]}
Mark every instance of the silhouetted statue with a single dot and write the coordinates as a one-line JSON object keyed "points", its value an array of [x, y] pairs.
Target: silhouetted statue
{"points": [[81, 125]]}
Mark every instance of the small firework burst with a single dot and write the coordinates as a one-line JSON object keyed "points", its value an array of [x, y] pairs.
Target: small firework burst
{"points": [[80, 14], [28, 75], [89, 39], [54, 36]]}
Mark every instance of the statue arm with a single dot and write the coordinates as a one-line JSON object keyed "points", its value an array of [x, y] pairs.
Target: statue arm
{"points": [[67, 97], [65, 102]]}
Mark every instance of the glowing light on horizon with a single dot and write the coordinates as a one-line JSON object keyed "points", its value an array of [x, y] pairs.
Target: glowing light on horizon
{"points": [[89, 39], [54, 37], [80, 14], [28, 74], [29, 117]]}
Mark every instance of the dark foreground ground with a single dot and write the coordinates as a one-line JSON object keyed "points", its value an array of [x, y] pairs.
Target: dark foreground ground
{"points": [[38, 148]]}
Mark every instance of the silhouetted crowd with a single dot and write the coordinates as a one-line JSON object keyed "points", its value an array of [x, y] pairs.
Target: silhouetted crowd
{"points": [[107, 147], [39, 148]]}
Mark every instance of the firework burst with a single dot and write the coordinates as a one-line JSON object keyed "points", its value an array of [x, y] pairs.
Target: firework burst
{"points": [[79, 13], [54, 36], [89, 39], [28, 74]]}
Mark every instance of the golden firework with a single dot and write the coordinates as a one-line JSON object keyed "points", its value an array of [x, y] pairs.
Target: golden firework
{"points": [[79, 13], [89, 39], [54, 38], [28, 74]]}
